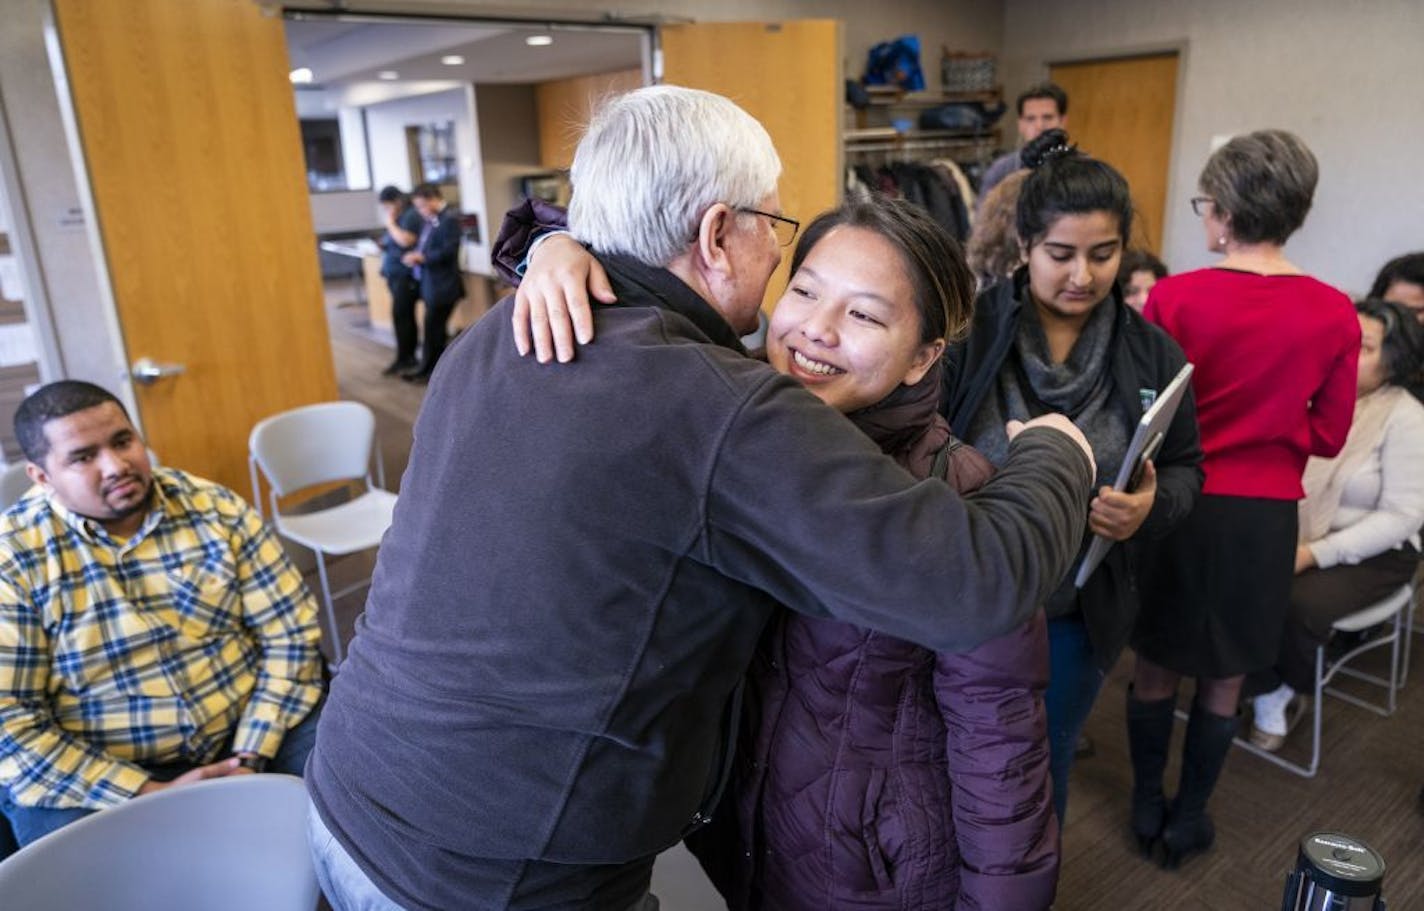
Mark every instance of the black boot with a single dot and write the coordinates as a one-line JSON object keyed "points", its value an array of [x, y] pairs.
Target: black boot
{"points": [[1149, 732], [1189, 829]]}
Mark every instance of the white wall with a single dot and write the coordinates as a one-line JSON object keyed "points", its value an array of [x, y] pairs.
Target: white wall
{"points": [[86, 337], [353, 149], [1345, 75], [354, 208], [340, 212]]}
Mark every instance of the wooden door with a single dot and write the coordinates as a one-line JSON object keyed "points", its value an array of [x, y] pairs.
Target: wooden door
{"points": [[564, 107], [788, 76], [1121, 111], [193, 153]]}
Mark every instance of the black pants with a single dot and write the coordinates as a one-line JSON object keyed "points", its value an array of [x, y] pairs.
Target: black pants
{"points": [[1319, 597], [404, 293], [436, 333]]}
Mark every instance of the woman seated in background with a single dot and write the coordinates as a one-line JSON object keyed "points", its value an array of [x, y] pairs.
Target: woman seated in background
{"points": [[1275, 354], [1058, 337], [1402, 281], [1140, 270], [993, 249], [1359, 521], [872, 772]]}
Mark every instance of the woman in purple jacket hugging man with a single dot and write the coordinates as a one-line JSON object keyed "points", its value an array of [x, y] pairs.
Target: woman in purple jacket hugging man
{"points": [[873, 773]]}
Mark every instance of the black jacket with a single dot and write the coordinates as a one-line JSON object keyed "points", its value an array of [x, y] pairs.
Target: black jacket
{"points": [[1141, 356], [581, 561], [441, 284]]}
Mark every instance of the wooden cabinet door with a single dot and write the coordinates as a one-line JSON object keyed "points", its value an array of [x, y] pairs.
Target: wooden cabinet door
{"points": [[1121, 111], [194, 161], [788, 75]]}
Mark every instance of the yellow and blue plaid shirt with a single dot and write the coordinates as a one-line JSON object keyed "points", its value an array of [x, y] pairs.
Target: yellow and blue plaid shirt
{"points": [[194, 636]]}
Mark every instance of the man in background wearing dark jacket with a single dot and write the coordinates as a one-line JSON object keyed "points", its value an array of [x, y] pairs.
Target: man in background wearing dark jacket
{"points": [[543, 691], [403, 227], [1041, 107], [435, 264]]}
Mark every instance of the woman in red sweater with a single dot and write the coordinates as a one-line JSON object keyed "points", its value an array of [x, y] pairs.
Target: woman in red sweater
{"points": [[1275, 354]]}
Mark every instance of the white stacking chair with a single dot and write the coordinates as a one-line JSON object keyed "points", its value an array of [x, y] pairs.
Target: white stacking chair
{"points": [[13, 484], [1409, 611], [323, 444], [1394, 608], [230, 844]]}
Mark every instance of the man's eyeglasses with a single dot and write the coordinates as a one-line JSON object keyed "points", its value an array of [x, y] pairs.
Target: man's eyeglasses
{"points": [[784, 227], [1198, 202]]}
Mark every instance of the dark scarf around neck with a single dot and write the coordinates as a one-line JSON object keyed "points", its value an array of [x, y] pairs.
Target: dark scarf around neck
{"points": [[906, 424]]}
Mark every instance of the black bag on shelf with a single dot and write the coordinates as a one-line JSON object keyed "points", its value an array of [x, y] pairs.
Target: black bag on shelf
{"points": [[856, 95]]}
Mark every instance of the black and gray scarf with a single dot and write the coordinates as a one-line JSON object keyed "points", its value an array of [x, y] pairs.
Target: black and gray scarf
{"points": [[1030, 384]]}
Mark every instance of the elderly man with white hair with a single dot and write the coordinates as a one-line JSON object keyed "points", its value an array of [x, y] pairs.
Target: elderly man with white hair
{"points": [[543, 691]]}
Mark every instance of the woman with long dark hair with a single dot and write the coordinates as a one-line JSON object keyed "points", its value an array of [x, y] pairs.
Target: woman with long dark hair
{"points": [[1057, 336]]}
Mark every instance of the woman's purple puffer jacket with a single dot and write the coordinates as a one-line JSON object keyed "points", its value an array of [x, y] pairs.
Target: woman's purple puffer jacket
{"points": [[873, 773]]}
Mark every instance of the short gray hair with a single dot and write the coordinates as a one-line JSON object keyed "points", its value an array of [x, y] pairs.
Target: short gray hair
{"points": [[1265, 181], [655, 159]]}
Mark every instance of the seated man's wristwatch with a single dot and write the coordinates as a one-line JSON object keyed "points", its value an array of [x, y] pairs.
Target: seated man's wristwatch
{"points": [[252, 761]]}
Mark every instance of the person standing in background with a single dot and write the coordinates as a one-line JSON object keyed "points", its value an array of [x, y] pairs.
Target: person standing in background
{"points": [[1275, 354], [435, 264], [403, 226], [993, 249], [1041, 107]]}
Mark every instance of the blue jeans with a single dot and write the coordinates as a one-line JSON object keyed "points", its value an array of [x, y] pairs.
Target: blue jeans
{"points": [[30, 823], [345, 885], [1073, 684], [348, 888]]}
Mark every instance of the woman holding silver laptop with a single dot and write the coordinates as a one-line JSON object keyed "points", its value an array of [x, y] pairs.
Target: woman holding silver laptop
{"points": [[1057, 336]]}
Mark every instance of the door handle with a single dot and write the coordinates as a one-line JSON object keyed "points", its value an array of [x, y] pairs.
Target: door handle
{"points": [[146, 371]]}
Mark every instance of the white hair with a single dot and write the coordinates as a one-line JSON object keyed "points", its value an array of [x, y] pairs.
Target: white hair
{"points": [[655, 159]]}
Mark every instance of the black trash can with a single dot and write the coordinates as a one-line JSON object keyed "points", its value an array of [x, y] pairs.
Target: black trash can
{"points": [[1335, 872]]}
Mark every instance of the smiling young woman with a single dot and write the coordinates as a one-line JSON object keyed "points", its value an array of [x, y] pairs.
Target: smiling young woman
{"points": [[847, 327]]}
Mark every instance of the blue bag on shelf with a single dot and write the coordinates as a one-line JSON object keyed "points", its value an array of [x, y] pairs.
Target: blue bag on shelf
{"points": [[896, 63], [961, 115]]}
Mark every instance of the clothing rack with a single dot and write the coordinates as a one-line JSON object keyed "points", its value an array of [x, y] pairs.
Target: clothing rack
{"points": [[969, 147]]}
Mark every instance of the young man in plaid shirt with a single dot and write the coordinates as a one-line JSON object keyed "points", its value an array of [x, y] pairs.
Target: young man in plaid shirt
{"points": [[152, 630]]}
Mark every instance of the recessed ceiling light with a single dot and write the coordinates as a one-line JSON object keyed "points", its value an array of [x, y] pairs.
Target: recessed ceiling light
{"points": [[453, 60], [301, 75], [539, 40], [388, 75]]}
